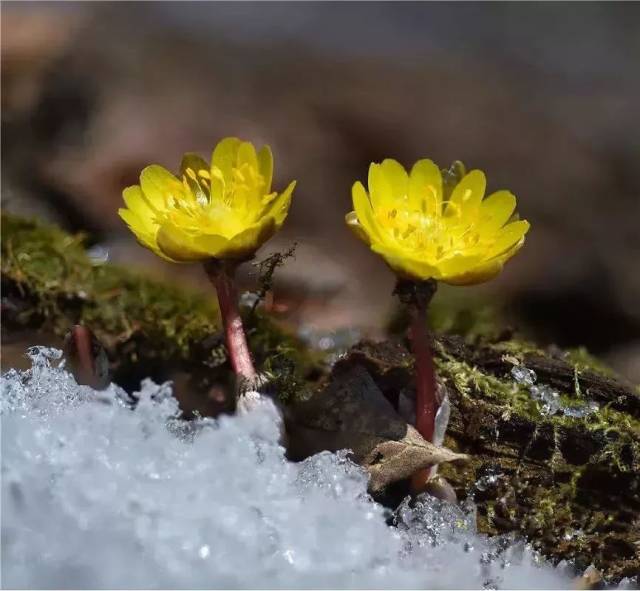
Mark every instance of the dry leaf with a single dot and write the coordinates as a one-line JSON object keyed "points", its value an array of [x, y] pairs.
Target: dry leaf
{"points": [[352, 413]]}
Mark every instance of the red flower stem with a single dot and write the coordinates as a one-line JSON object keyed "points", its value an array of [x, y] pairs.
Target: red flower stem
{"points": [[223, 278], [82, 341], [426, 403], [417, 295]]}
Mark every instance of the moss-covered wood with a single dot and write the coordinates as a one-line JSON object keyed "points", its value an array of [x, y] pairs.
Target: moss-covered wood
{"points": [[147, 327], [50, 283], [571, 484]]}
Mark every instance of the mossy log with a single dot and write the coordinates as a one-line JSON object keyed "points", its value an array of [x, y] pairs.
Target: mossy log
{"points": [[148, 328], [569, 482]]}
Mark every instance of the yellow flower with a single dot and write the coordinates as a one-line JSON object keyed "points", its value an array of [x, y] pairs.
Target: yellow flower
{"points": [[405, 219], [223, 210]]}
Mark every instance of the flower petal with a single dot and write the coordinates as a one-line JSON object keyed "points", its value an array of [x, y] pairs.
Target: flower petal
{"points": [[143, 228], [398, 178], [245, 244], [193, 161], [495, 212], [144, 235], [223, 158], [247, 155], [362, 207], [140, 217], [467, 196], [354, 224], [404, 265], [507, 254], [265, 166], [135, 201], [479, 274], [379, 188], [225, 155], [279, 207], [157, 184], [507, 237], [486, 270], [180, 246], [458, 264], [425, 187]]}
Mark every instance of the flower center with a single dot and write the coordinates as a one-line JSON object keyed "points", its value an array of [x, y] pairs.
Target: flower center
{"points": [[433, 237], [212, 202]]}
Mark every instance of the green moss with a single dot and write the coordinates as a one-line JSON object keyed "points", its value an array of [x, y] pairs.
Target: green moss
{"points": [[583, 360], [620, 430], [52, 271], [137, 318], [471, 381], [285, 362], [517, 348]]}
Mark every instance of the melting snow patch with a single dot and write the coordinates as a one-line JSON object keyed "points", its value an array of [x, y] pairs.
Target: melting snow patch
{"points": [[98, 492]]}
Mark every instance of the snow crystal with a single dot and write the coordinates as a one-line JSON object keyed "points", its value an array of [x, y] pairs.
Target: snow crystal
{"points": [[578, 412], [548, 399], [523, 375], [105, 490]]}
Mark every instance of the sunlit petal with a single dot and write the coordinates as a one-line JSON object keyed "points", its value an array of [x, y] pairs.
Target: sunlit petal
{"points": [[467, 196], [495, 211], [160, 186], [362, 208], [425, 187]]}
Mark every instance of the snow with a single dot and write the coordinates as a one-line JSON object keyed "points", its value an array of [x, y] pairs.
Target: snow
{"points": [[102, 490]]}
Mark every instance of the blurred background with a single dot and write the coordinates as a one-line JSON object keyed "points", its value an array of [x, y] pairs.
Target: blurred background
{"points": [[542, 96]]}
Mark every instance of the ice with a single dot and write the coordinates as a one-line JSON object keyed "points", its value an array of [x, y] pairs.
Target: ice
{"points": [[548, 399], [523, 375], [581, 411], [104, 490], [490, 478], [98, 255]]}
